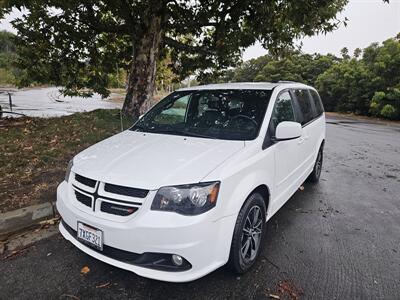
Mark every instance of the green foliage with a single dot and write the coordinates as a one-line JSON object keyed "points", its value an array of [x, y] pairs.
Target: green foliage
{"points": [[6, 42], [345, 53], [282, 69], [368, 83], [8, 56], [6, 77], [117, 79], [375, 106], [347, 86], [250, 69], [165, 76], [388, 111]]}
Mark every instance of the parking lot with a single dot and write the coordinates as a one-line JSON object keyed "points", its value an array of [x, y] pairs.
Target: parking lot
{"points": [[339, 239]]}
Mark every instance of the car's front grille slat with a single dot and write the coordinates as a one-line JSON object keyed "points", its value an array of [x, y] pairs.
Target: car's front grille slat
{"points": [[85, 181], [125, 191], [84, 199]]}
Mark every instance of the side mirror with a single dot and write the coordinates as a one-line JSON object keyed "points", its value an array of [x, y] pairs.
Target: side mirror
{"points": [[288, 131]]}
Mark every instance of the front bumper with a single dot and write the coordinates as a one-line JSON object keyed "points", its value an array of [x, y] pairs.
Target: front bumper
{"points": [[203, 241]]}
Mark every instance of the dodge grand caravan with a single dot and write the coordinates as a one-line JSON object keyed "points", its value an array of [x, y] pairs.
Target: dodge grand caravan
{"points": [[190, 186]]}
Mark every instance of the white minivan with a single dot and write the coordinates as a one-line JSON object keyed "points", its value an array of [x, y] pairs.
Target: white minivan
{"points": [[190, 186]]}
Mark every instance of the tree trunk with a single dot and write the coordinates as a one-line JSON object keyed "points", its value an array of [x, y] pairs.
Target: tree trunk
{"points": [[141, 80]]}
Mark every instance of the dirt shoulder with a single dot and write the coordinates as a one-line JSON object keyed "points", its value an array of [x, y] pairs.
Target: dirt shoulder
{"points": [[361, 118], [34, 153]]}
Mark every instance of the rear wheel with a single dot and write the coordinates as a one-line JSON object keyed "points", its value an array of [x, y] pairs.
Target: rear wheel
{"points": [[248, 234], [316, 173]]}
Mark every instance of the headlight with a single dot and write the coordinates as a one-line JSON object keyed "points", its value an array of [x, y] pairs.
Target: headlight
{"points": [[68, 172], [190, 199]]}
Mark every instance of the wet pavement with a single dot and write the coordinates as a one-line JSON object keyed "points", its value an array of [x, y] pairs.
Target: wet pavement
{"points": [[339, 239], [48, 102]]}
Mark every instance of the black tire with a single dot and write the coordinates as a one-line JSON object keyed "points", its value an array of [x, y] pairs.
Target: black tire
{"points": [[239, 262], [316, 173]]}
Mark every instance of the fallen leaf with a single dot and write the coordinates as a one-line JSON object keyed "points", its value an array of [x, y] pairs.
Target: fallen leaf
{"points": [[301, 188], [274, 296], [289, 290], [51, 221], [85, 270]]}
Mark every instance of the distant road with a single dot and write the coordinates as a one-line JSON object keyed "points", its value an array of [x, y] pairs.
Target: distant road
{"points": [[48, 102]]}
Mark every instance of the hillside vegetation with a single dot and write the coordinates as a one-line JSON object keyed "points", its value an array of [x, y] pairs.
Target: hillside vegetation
{"points": [[8, 56], [365, 83]]}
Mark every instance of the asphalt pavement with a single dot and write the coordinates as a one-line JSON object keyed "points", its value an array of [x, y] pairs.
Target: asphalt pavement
{"points": [[339, 239]]}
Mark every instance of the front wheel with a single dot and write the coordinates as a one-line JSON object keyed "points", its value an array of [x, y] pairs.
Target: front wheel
{"points": [[248, 234]]}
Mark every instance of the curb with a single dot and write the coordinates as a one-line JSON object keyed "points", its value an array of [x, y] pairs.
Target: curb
{"points": [[16, 220]]}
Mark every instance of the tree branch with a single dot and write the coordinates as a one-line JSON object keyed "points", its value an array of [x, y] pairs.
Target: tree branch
{"points": [[188, 48]]}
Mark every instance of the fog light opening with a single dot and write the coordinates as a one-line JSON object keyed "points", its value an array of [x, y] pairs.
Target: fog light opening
{"points": [[177, 260]]}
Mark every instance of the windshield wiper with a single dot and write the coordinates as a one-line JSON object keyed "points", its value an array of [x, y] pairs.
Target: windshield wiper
{"points": [[194, 134]]}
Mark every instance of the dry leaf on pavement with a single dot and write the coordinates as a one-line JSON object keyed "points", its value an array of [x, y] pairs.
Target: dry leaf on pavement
{"points": [[85, 270]]}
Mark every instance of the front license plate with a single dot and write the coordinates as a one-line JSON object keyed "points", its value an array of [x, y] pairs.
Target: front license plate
{"points": [[90, 236]]}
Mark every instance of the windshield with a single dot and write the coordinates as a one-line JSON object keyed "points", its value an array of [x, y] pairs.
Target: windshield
{"points": [[218, 114]]}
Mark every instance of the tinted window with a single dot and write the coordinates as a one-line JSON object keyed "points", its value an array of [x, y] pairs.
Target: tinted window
{"points": [[305, 106], [220, 114], [283, 109], [319, 109]]}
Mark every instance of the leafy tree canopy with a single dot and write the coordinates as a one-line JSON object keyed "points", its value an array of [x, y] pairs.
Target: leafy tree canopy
{"points": [[75, 44], [367, 83]]}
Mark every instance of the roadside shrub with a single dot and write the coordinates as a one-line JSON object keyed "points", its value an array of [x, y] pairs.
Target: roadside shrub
{"points": [[376, 103], [388, 111], [6, 77]]}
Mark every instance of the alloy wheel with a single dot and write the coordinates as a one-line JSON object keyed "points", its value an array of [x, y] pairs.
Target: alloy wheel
{"points": [[251, 235], [318, 164]]}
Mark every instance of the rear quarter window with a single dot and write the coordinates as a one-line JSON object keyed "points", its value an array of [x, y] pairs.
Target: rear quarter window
{"points": [[319, 109]]}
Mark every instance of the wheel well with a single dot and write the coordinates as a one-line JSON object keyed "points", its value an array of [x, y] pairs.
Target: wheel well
{"points": [[264, 191]]}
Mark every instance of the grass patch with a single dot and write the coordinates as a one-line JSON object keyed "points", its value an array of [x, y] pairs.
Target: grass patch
{"points": [[34, 152]]}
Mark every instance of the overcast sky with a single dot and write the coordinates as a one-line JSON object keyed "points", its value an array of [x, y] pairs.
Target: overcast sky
{"points": [[369, 21]]}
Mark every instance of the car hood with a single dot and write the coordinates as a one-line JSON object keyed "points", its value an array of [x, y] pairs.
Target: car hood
{"points": [[149, 161]]}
